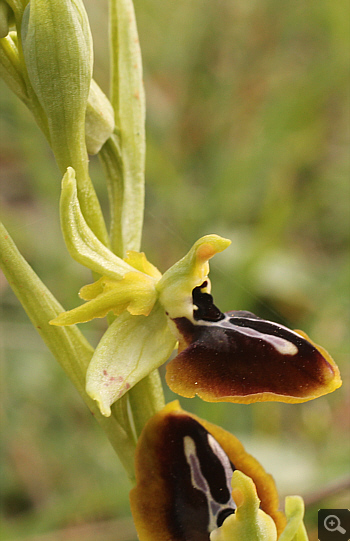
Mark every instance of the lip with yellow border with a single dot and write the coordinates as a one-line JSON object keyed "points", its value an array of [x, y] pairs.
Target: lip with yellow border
{"points": [[184, 470]]}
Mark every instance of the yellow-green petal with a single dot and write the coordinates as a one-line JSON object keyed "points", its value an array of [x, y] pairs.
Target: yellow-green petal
{"points": [[295, 529], [131, 348], [178, 282], [248, 523], [139, 261], [135, 292]]}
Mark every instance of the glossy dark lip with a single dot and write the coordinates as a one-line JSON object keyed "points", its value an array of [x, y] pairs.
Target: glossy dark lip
{"points": [[176, 470], [221, 361]]}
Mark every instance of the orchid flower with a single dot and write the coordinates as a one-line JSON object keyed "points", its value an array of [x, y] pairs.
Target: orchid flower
{"points": [[233, 357], [195, 481]]}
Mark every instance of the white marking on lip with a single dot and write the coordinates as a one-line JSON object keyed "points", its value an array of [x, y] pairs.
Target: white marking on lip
{"points": [[199, 481], [283, 346]]}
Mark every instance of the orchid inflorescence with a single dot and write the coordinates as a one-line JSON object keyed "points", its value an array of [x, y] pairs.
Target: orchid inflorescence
{"points": [[194, 481]]}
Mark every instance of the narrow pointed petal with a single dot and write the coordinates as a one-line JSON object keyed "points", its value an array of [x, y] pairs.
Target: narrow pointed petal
{"points": [[135, 292], [81, 242], [91, 291], [131, 348], [184, 467], [139, 261]]}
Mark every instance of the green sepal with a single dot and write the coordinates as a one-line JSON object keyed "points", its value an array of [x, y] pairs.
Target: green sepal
{"points": [[295, 529], [81, 242], [131, 348]]}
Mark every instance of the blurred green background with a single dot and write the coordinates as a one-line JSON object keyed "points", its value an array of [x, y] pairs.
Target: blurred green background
{"points": [[247, 137]]}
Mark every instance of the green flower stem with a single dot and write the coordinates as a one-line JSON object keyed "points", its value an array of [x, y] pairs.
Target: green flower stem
{"points": [[128, 101], [146, 399], [67, 344]]}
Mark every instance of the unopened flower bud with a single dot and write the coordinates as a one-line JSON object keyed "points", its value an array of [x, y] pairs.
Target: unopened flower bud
{"points": [[57, 47]]}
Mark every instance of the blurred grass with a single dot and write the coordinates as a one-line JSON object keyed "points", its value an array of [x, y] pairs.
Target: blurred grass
{"points": [[248, 133]]}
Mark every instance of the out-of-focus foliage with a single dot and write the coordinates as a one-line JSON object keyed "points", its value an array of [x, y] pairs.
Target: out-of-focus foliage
{"points": [[247, 132]]}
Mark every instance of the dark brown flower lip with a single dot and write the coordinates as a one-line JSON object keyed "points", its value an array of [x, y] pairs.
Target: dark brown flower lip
{"points": [[184, 467], [243, 358]]}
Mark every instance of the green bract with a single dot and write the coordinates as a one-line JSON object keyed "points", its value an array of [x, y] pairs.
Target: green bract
{"points": [[99, 119]]}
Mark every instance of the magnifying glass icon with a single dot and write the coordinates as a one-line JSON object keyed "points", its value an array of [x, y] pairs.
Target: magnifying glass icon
{"points": [[332, 524]]}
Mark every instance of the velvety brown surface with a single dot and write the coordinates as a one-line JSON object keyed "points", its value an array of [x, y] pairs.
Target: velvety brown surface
{"points": [[165, 505], [223, 362]]}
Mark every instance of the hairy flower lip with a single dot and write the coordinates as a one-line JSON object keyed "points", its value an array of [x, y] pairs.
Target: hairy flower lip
{"points": [[247, 359], [161, 452]]}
